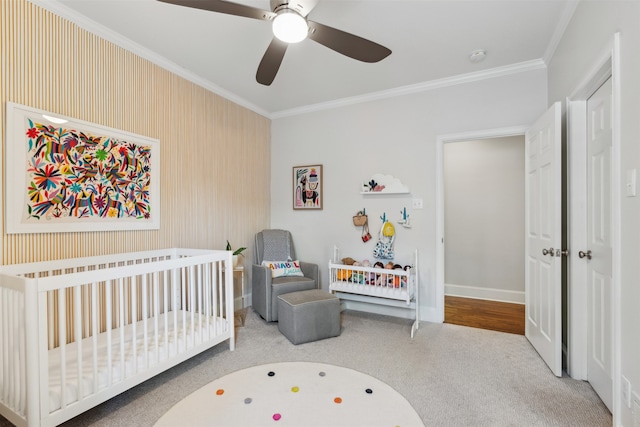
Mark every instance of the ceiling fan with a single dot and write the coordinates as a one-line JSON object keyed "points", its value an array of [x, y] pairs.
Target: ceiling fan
{"points": [[290, 25]]}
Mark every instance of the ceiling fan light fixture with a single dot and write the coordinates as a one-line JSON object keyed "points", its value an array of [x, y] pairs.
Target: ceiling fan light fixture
{"points": [[290, 27]]}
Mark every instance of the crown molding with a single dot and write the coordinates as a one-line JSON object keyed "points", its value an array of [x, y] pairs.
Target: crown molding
{"points": [[563, 23], [100, 30], [521, 67]]}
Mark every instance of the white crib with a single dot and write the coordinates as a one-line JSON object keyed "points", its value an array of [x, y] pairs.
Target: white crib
{"points": [[76, 332], [395, 288]]}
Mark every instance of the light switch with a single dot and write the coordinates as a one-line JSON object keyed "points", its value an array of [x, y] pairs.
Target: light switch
{"points": [[630, 185]]}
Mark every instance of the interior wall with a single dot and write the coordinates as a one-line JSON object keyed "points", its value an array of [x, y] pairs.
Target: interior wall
{"points": [[579, 53], [484, 218], [395, 136], [215, 155]]}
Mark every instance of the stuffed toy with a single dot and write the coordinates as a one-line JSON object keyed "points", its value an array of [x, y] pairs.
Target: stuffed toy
{"points": [[378, 281]]}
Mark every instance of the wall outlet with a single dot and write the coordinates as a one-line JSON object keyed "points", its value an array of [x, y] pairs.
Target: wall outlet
{"points": [[626, 391], [417, 204]]}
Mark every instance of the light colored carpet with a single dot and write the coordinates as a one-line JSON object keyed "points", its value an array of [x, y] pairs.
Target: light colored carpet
{"points": [[451, 375], [294, 394]]}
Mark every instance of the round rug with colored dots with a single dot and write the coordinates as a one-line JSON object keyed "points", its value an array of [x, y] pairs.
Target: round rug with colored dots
{"points": [[294, 394]]}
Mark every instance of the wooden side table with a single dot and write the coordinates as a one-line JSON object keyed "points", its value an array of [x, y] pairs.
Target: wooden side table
{"points": [[240, 270]]}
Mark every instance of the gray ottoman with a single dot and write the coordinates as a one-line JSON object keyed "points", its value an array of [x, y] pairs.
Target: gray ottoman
{"points": [[306, 316]]}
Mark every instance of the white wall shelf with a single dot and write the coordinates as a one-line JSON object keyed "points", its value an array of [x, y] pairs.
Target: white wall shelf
{"points": [[390, 185], [371, 193]]}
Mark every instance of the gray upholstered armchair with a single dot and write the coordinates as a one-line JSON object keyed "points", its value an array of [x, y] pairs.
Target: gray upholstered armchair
{"points": [[276, 245]]}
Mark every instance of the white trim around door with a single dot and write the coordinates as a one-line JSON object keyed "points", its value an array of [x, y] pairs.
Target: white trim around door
{"points": [[577, 350], [440, 141]]}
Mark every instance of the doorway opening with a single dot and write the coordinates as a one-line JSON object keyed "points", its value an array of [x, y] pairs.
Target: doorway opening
{"points": [[484, 181], [442, 141]]}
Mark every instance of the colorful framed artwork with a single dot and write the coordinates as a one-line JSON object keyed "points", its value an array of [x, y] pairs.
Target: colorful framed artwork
{"points": [[307, 187], [63, 174]]}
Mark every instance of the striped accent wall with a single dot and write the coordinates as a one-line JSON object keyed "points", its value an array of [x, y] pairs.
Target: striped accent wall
{"points": [[215, 155]]}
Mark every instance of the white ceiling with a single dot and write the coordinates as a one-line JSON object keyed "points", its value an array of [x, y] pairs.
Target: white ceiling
{"points": [[430, 40]]}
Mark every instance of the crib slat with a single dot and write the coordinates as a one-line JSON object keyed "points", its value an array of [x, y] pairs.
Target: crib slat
{"points": [[175, 303], [36, 352], [207, 299], [109, 317], [165, 301], [77, 318], [94, 334], [183, 285], [134, 316], [120, 300], [62, 336], [145, 317], [192, 304], [218, 292], [198, 284], [156, 313]]}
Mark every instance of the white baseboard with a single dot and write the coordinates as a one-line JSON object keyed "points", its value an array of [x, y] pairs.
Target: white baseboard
{"points": [[491, 294]]}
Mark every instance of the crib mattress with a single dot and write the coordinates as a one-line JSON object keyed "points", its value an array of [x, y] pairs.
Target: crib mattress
{"points": [[131, 361]]}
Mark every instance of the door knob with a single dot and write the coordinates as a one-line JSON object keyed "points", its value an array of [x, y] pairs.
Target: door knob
{"points": [[546, 251], [586, 254]]}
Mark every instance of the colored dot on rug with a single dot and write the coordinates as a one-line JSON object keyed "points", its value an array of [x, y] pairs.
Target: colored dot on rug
{"points": [[369, 391], [248, 400], [220, 392], [322, 374], [338, 400], [277, 417], [271, 373], [295, 389]]}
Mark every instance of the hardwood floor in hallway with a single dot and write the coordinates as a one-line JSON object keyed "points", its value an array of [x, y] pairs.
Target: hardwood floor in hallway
{"points": [[484, 314]]}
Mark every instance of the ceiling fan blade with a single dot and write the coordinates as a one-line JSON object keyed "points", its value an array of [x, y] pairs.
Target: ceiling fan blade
{"points": [[227, 7], [271, 61], [347, 44]]}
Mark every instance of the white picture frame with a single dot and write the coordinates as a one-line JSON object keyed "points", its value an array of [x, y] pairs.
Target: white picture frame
{"points": [[66, 175]]}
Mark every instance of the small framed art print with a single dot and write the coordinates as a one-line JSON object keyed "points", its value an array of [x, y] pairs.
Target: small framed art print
{"points": [[307, 187]]}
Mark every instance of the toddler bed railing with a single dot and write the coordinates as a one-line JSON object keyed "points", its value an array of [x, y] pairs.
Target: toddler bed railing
{"points": [[76, 332]]}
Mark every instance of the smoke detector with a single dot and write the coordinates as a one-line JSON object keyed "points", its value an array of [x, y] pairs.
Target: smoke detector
{"points": [[477, 55]]}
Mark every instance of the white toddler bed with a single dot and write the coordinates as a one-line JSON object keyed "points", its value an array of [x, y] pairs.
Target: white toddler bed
{"points": [[76, 332]]}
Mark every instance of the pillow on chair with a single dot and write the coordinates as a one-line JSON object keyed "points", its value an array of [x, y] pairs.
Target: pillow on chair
{"points": [[283, 268]]}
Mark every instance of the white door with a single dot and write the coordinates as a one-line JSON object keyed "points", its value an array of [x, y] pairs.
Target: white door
{"points": [[598, 254], [543, 222]]}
